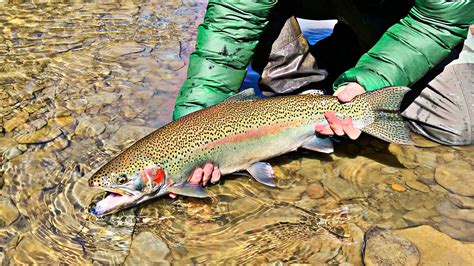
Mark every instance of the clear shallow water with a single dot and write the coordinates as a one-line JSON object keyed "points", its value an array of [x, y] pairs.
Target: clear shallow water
{"points": [[79, 83]]}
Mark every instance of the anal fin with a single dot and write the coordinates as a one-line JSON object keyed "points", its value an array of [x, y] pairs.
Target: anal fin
{"points": [[319, 144], [263, 173]]}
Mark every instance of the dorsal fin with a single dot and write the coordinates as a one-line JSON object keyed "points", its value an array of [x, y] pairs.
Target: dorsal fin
{"points": [[245, 95], [313, 92]]}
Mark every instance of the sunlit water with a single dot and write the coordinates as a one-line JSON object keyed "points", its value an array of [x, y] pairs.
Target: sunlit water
{"points": [[79, 83]]}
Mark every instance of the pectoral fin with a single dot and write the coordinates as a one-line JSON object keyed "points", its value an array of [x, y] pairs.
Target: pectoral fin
{"points": [[319, 144], [263, 173], [190, 190]]}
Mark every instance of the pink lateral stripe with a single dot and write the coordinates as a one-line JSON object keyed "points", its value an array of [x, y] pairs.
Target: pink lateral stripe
{"points": [[252, 134]]}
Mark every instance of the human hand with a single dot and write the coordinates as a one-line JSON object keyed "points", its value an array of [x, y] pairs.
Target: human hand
{"points": [[202, 175], [335, 125]]}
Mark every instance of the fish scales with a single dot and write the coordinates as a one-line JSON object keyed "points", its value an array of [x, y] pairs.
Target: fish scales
{"points": [[235, 135], [173, 145]]}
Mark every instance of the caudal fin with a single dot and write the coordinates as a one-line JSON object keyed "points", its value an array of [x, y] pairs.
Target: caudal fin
{"points": [[388, 123]]}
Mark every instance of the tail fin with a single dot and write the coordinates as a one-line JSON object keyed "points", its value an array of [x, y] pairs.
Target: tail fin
{"points": [[388, 123]]}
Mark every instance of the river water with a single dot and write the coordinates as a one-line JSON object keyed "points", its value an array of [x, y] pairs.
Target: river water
{"points": [[80, 83]]}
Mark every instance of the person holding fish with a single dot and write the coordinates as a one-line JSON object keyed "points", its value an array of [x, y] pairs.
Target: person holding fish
{"points": [[219, 131], [375, 44]]}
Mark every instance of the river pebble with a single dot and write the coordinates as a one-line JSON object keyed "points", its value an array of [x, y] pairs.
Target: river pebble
{"points": [[437, 248], [129, 133], [89, 127], [448, 209], [418, 186], [147, 247], [398, 187], [40, 136], [315, 191], [342, 189], [16, 121], [461, 201], [457, 177], [385, 247], [8, 212], [419, 216], [14, 152]]}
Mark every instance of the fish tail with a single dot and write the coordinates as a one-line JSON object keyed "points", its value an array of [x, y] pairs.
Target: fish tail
{"points": [[388, 124]]}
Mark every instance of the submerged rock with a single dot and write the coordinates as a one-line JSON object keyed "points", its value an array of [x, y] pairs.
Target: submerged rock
{"points": [[8, 212], [342, 189], [448, 209], [398, 187], [418, 186], [437, 248], [385, 247], [16, 121], [89, 127], [128, 133], [419, 216], [456, 176], [460, 201], [315, 191], [45, 134], [149, 248]]}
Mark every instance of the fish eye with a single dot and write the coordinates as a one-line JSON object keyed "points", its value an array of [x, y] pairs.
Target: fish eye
{"points": [[122, 179]]}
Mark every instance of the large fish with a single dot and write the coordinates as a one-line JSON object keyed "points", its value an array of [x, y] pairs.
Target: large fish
{"points": [[235, 135]]}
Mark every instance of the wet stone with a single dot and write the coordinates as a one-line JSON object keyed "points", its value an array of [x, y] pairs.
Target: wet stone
{"points": [[398, 187], [385, 247], [437, 248], [8, 212], [129, 133], [426, 158], [448, 209], [419, 216], [6, 144], [418, 186], [448, 156], [16, 121], [41, 136], [89, 127], [149, 248], [457, 229], [12, 153], [457, 177], [315, 191], [342, 189], [461, 201]]}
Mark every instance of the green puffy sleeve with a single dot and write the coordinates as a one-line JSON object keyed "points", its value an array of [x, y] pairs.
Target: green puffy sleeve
{"points": [[225, 42], [410, 48]]}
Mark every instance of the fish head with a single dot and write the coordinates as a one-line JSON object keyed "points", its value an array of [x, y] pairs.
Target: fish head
{"points": [[127, 187]]}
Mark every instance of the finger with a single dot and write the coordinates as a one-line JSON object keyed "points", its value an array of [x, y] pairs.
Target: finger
{"points": [[208, 167], [334, 123], [347, 92], [216, 175], [324, 130], [172, 195], [197, 176], [348, 127]]}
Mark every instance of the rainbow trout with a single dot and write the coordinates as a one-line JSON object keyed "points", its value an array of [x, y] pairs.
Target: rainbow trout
{"points": [[235, 135]]}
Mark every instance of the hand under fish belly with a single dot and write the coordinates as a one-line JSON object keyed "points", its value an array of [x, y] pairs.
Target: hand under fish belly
{"points": [[245, 131]]}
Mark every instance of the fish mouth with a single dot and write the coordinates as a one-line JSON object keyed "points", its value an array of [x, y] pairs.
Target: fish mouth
{"points": [[114, 202]]}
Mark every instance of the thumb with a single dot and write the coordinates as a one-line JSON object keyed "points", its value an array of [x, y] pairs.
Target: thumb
{"points": [[347, 92]]}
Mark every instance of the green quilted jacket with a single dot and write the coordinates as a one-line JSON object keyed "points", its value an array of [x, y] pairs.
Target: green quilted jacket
{"points": [[406, 51]]}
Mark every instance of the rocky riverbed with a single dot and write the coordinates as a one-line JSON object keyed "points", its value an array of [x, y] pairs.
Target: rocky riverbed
{"points": [[79, 83]]}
